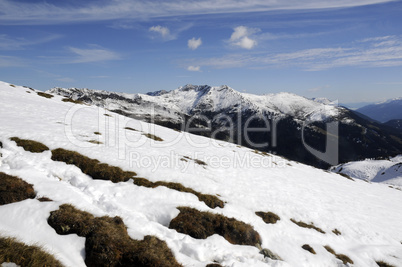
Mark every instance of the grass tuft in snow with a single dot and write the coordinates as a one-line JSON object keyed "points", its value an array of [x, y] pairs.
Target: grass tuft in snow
{"points": [[14, 189], [336, 231], [1, 144], [345, 259], [30, 145], [96, 142], [210, 200], [107, 241], [92, 167], [198, 161], [44, 199], [72, 101], [42, 94], [97, 133], [384, 264], [268, 217], [306, 225], [154, 137], [21, 254], [131, 129], [213, 265], [308, 248], [262, 153], [201, 225]]}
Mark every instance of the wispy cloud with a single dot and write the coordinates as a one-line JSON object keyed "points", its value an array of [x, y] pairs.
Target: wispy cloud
{"points": [[16, 12], [170, 33], [370, 53], [318, 88], [242, 37], [65, 80], [12, 43], [94, 54], [194, 68], [194, 43], [9, 61], [163, 31]]}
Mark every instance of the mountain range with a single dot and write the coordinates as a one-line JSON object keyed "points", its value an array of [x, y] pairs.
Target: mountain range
{"points": [[289, 125], [90, 187], [384, 111]]}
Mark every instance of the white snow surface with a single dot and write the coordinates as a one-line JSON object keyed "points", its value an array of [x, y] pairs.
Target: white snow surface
{"points": [[368, 215], [381, 171], [192, 98]]}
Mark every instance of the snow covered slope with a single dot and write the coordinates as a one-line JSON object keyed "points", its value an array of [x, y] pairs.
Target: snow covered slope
{"points": [[381, 171], [367, 216]]}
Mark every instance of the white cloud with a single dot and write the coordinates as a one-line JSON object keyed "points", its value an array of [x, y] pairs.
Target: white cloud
{"points": [[194, 68], [95, 54], [241, 37], [164, 31], [371, 53], [12, 43], [50, 12], [9, 61], [194, 43], [318, 88], [65, 80]]}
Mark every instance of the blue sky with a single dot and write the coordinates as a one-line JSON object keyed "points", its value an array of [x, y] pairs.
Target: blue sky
{"points": [[345, 50]]}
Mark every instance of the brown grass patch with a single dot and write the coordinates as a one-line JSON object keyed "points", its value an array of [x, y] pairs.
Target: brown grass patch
{"points": [[384, 264], [309, 226], [30, 145], [154, 137], [44, 199], [97, 133], [21, 254], [107, 242], [198, 161], [210, 200], [213, 265], [107, 115], [345, 259], [201, 225], [262, 153], [96, 142], [42, 94], [92, 167], [131, 129], [70, 100], [336, 231], [14, 189], [268, 217], [308, 248]]}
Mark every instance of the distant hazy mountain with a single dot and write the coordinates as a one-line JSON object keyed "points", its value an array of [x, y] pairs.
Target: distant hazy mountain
{"points": [[384, 111], [355, 105]]}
